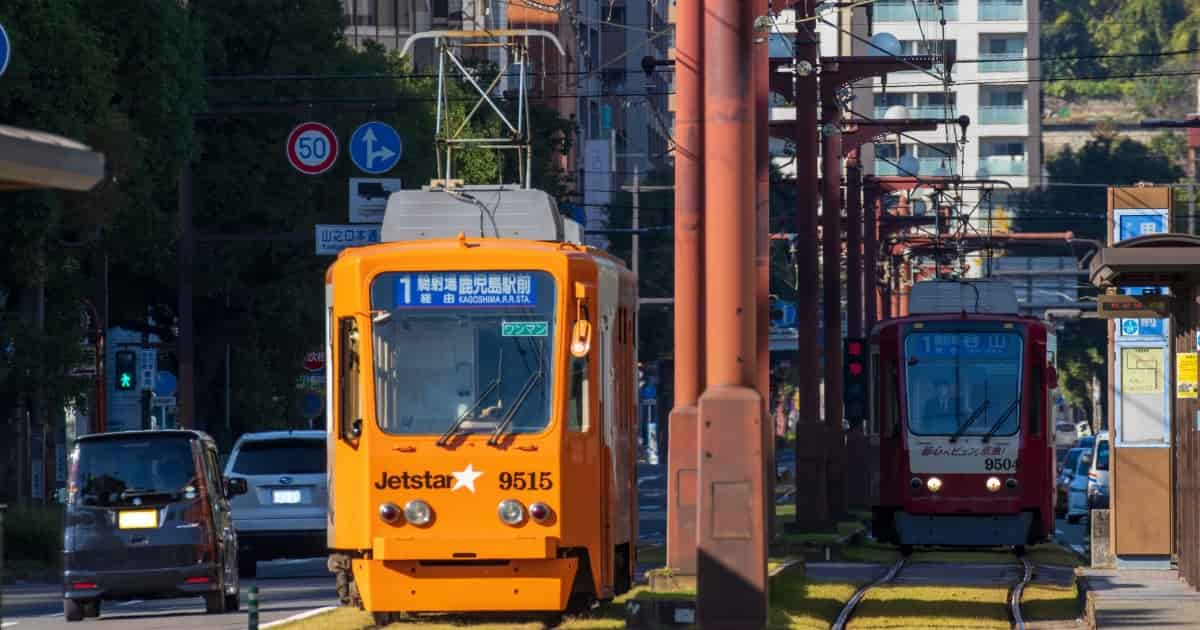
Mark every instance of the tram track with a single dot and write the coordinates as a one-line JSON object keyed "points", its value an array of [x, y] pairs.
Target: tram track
{"points": [[1012, 599]]}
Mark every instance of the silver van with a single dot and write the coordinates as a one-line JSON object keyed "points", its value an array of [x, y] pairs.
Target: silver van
{"points": [[282, 512]]}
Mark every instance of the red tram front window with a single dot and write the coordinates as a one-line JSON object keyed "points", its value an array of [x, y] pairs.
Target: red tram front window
{"points": [[963, 382]]}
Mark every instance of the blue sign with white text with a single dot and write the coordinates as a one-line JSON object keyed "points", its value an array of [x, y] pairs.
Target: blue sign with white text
{"points": [[493, 288], [963, 345], [1132, 226], [375, 148]]}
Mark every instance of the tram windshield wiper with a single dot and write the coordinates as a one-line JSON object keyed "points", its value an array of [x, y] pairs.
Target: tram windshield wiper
{"points": [[970, 420], [512, 412], [458, 422], [1004, 416]]}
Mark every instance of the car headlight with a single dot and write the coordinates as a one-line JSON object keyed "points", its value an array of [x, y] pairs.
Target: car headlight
{"points": [[511, 512], [418, 512]]}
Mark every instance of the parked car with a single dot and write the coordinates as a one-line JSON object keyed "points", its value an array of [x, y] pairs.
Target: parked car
{"points": [[1077, 505], [1097, 491], [1065, 434], [147, 516], [1087, 442], [282, 514], [1063, 483]]}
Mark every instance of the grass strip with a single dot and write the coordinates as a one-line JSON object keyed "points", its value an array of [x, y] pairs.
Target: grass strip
{"points": [[1046, 602], [905, 606]]}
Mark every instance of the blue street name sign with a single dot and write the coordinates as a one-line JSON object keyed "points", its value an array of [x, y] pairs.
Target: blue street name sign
{"points": [[375, 148]]}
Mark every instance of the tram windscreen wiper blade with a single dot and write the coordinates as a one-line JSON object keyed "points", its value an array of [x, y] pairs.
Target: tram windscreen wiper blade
{"points": [[467, 414], [512, 412], [970, 420], [1004, 416]]}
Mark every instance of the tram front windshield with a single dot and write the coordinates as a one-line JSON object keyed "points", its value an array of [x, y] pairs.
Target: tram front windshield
{"points": [[963, 382], [463, 350]]}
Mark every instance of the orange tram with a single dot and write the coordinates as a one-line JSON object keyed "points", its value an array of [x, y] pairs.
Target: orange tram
{"points": [[482, 410]]}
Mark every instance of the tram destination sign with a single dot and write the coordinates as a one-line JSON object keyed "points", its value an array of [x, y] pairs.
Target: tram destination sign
{"points": [[1133, 306], [471, 289]]}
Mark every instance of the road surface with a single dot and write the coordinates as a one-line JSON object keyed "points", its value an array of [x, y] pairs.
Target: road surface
{"points": [[286, 588]]}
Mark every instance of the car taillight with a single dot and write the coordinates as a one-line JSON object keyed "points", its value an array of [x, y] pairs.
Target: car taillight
{"points": [[196, 580], [83, 586]]}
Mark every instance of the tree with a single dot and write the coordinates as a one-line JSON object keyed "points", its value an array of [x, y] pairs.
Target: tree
{"points": [[1076, 200]]}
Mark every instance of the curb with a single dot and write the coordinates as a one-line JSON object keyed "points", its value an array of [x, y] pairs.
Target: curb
{"points": [[298, 617]]}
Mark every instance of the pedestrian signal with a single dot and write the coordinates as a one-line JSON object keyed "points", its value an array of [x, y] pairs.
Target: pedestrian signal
{"points": [[854, 388], [126, 370]]}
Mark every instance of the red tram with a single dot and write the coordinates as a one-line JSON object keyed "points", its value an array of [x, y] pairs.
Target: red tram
{"points": [[962, 404]]}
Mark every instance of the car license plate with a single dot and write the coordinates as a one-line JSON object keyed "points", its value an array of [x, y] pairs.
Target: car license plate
{"points": [[285, 496], [137, 519]]}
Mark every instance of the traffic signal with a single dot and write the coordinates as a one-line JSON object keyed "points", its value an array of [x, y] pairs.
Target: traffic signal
{"points": [[126, 370], [854, 386]]}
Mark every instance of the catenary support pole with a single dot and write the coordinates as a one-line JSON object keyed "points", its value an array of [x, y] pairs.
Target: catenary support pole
{"points": [[186, 349], [854, 253], [731, 558], [812, 503], [831, 280], [762, 261], [689, 274]]}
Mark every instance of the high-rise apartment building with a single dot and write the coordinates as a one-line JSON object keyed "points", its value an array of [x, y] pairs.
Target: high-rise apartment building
{"points": [[994, 42]]}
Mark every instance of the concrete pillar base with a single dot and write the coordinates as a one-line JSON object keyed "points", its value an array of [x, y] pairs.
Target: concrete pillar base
{"points": [[731, 554], [682, 489], [1102, 553], [836, 462], [812, 486]]}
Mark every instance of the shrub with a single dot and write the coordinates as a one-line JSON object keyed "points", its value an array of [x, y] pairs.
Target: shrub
{"points": [[33, 533]]}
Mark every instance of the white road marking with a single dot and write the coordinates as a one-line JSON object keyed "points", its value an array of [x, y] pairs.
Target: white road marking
{"points": [[8, 624], [132, 602], [304, 615]]}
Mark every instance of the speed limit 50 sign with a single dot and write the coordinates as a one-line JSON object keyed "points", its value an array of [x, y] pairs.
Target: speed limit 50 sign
{"points": [[312, 148]]}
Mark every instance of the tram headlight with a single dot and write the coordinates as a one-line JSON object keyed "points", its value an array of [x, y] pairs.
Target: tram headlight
{"points": [[389, 512], [993, 484], [418, 512], [934, 484], [512, 512], [540, 512]]}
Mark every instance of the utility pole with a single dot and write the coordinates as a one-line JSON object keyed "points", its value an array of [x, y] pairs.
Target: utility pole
{"points": [[186, 350]]}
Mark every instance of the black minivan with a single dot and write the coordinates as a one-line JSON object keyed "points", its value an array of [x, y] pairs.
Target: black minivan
{"points": [[148, 516]]}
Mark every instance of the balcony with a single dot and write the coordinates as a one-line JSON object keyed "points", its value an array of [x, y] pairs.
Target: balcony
{"points": [[1003, 115], [928, 166], [925, 111], [1002, 10], [1002, 62], [1004, 165], [903, 12]]}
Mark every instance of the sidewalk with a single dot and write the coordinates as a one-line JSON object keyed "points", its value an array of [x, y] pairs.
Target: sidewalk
{"points": [[1142, 599]]}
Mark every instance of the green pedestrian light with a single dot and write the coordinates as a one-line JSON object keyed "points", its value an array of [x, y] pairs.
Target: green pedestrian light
{"points": [[126, 364]]}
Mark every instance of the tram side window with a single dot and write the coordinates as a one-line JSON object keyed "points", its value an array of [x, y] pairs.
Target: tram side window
{"points": [[348, 371], [893, 394], [577, 401]]}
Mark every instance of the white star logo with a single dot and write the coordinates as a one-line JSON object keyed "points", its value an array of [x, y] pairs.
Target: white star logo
{"points": [[465, 479]]}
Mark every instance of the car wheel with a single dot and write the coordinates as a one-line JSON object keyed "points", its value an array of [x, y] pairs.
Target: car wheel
{"points": [[91, 609], [247, 565], [214, 603], [73, 610]]}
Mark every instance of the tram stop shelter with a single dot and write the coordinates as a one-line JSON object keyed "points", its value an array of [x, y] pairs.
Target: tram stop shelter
{"points": [[1153, 410], [36, 160]]}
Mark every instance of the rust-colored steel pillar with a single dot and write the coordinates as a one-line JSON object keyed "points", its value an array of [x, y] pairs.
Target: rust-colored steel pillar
{"points": [[871, 207], [731, 554], [689, 298], [812, 502], [854, 253], [762, 260], [831, 246], [904, 277]]}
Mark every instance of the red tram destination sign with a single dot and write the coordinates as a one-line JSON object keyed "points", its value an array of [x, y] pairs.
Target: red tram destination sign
{"points": [[312, 148], [1133, 306]]}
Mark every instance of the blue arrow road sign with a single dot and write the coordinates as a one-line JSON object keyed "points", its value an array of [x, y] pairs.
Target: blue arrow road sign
{"points": [[5, 49], [375, 148], [164, 384]]}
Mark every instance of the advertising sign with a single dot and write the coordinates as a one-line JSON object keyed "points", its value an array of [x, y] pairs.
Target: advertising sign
{"points": [[1185, 375]]}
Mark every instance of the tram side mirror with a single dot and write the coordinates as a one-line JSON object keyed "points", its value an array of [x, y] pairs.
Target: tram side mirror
{"points": [[581, 338], [1052, 377]]}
